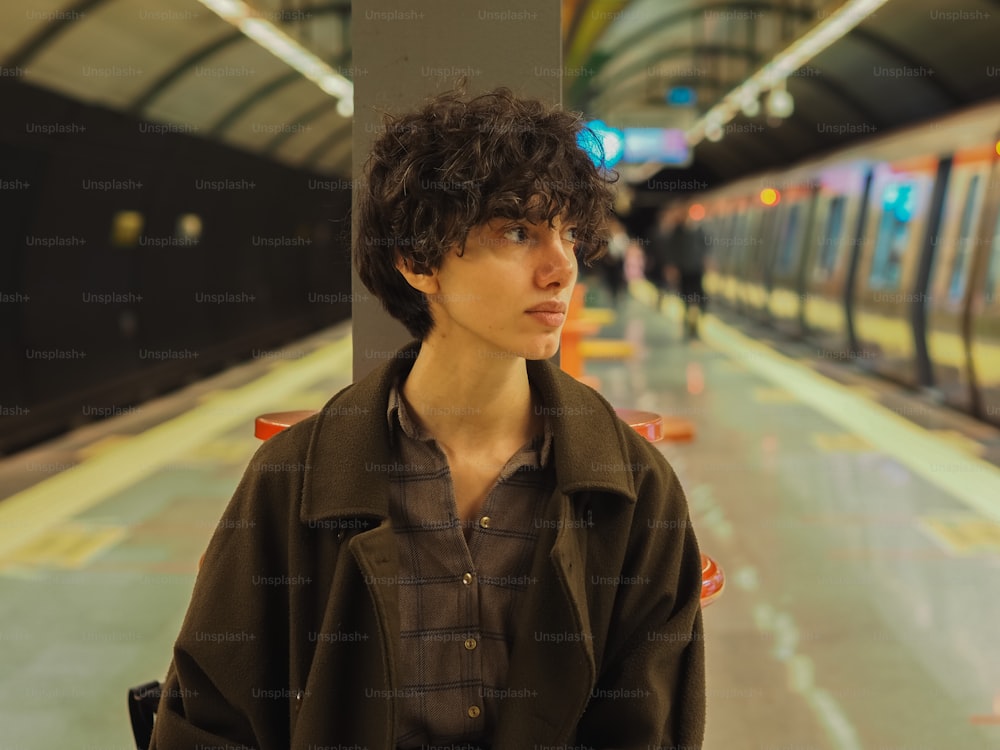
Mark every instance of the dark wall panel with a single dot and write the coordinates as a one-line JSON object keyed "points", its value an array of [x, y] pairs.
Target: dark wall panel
{"points": [[94, 314]]}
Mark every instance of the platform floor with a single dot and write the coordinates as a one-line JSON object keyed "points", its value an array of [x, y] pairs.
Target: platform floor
{"points": [[859, 528]]}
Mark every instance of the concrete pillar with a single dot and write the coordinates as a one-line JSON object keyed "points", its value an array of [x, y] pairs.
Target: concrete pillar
{"points": [[403, 54]]}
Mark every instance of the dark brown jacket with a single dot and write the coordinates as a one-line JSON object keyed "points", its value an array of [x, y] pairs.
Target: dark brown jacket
{"points": [[292, 636]]}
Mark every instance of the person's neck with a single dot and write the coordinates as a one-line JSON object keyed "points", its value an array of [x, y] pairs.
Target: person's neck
{"points": [[471, 404]]}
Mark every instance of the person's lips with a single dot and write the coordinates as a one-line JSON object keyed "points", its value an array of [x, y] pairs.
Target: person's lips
{"points": [[551, 314]]}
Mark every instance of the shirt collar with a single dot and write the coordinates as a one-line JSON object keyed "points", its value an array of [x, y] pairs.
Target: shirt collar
{"points": [[584, 437], [536, 453]]}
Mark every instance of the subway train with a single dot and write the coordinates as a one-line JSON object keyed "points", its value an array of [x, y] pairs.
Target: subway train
{"points": [[139, 256], [886, 253]]}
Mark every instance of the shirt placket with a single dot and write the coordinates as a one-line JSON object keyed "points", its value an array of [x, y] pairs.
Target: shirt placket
{"points": [[472, 663]]}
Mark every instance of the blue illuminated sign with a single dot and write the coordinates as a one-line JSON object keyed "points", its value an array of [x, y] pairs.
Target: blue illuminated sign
{"points": [[681, 96], [665, 145], [605, 145]]}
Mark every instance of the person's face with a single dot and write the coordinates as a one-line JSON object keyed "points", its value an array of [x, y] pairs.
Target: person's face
{"points": [[507, 294]]}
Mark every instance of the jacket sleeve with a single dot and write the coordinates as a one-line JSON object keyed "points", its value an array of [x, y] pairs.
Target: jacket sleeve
{"points": [[227, 685], [650, 690]]}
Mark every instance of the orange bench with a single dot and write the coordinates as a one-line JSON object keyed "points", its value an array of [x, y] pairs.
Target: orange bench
{"points": [[575, 342]]}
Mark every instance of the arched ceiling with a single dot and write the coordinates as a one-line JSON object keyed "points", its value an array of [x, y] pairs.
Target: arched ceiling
{"points": [[909, 61], [174, 61]]}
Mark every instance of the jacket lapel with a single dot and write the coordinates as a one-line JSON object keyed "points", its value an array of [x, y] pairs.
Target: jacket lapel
{"points": [[552, 669], [377, 555]]}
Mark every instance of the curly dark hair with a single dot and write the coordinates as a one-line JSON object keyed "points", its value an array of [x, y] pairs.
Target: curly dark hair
{"points": [[436, 173]]}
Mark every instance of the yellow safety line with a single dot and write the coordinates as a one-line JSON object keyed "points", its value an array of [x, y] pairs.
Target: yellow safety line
{"points": [[974, 482], [33, 511]]}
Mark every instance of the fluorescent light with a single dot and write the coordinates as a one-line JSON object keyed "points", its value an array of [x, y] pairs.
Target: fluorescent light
{"points": [[784, 64], [286, 49], [230, 10], [345, 107]]}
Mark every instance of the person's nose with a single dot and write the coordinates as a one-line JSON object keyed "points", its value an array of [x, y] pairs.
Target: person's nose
{"points": [[556, 259]]}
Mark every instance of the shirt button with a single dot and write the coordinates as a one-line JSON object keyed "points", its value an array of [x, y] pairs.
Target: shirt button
{"points": [[467, 579], [473, 712], [470, 643], [484, 522]]}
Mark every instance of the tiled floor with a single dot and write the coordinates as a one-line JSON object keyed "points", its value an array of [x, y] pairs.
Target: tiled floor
{"points": [[862, 551]]}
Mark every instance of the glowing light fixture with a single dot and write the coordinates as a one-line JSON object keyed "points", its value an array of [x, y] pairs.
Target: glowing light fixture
{"points": [[749, 103], [780, 102], [286, 49], [714, 132], [345, 107], [786, 62], [770, 197]]}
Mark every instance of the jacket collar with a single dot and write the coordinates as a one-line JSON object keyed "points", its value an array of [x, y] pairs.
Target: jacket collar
{"points": [[350, 452]]}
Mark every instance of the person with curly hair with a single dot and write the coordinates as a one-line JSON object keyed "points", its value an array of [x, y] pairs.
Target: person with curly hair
{"points": [[467, 548]]}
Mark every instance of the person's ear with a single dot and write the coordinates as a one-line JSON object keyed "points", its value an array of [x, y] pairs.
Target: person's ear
{"points": [[423, 281]]}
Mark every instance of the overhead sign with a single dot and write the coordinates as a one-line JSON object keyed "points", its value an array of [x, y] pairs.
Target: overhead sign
{"points": [[663, 145]]}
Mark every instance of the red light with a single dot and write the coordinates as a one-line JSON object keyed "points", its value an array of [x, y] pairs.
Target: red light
{"points": [[770, 197], [696, 212]]}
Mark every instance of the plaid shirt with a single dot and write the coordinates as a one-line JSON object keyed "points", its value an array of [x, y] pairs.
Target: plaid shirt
{"points": [[458, 599]]}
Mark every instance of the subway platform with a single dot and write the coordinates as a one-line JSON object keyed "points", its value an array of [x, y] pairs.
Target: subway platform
{"points": [[859, 528]]}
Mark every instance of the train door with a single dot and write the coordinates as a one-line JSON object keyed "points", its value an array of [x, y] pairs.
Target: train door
{"points": [[983, 305], [745, 259], [886, 289], [836, 239], [720, 225], [718, 263], [760, 256], [947, 342], [738, 244], [785, 302]]}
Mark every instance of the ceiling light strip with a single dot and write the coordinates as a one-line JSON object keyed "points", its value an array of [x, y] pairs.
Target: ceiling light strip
{"points": [[784, 64], [286, 49]]}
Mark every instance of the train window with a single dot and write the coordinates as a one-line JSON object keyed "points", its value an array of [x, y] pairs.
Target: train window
{"points": [[733, 243], [893, 236], [739, 227], [188, 229], [830, 239], [126, 228], [789, 235], [959, 266], [992, 268], [752, 230]]}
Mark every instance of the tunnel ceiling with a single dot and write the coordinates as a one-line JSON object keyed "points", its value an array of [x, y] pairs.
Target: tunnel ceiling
{"points": [[909, 61], [174, 61]]}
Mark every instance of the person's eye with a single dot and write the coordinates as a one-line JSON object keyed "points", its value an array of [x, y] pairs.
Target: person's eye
{"points": [[570, 235], [516, 233]]}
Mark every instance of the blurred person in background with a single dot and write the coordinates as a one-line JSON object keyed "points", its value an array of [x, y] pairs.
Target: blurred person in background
{"points": [[658, 269], [612, 265], [678, 252], [689, 253]]}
